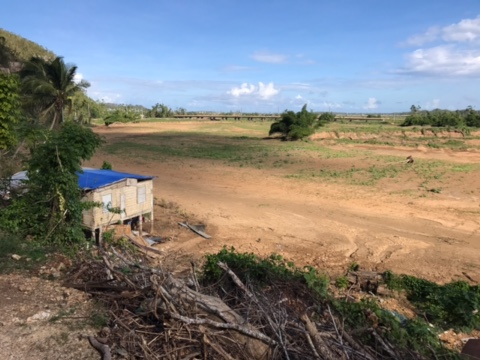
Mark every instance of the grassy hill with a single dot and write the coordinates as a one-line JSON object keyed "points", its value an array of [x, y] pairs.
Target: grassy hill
{"points": [[23, 49]]}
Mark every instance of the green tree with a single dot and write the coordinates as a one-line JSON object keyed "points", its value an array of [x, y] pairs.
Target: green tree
{"points": [[327, 117], [161, 111], [295, 126], [472, 117], [51, 209], [9, 109], [125, 115], [50, 86], [416, 117], [180, 111]]}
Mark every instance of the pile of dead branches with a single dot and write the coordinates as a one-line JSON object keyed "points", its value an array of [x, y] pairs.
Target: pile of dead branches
{"points": [[155, 315]]}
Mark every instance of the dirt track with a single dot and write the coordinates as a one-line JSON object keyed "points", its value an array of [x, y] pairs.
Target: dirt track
{"points": [[328, 225]]}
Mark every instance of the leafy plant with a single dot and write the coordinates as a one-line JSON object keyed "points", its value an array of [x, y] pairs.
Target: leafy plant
{"points": [[326, 117], [295, 126], [51, 209], [456, 304], [106, 165], [341, 282], [9, 109], [125, 115], [262, 271]]}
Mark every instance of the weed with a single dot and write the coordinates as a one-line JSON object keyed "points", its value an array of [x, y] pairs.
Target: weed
{"points": [[98, 319], [62, 314], [354, 266], [451, 305], [341, 282], [262, 271]]}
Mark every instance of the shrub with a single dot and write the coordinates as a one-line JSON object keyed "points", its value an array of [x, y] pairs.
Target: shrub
{"points": [[262, 271], [296, 126], [455, 304], [51, 209], [326, 117]]}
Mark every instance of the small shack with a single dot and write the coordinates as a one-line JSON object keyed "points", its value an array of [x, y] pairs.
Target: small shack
{"points": [[125, 197]]}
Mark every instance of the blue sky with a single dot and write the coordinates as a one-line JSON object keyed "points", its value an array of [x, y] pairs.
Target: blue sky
{"points": [[359, 56]]}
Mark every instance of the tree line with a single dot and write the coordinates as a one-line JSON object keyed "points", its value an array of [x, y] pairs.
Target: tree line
{"points": [[442, 118]]}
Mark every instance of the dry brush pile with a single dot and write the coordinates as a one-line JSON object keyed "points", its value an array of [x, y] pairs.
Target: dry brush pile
{"points": [[156, 315]]}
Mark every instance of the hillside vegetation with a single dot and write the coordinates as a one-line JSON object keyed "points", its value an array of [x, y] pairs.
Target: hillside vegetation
{"points": [[23, 49]]}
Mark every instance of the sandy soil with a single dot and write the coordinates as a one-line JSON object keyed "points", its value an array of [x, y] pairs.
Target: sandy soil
{"points": [[41, 320], [391, 225]]}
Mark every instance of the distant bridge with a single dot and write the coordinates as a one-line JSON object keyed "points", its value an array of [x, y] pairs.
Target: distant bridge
{"points": [[219, 117]]}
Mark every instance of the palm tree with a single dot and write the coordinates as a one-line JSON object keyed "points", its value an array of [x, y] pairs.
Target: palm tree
{"points": [[50, 87]]}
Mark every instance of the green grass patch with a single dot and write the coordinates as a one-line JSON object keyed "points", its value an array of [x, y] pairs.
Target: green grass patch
{"points": [[235, 144], [466, 168], [32, 254], [241, 150]]}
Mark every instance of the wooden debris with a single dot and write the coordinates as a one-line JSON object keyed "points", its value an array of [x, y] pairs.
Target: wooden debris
{"points": [[367, 281], [471, 350], [195, 229], [155, 315], [143, 245]]}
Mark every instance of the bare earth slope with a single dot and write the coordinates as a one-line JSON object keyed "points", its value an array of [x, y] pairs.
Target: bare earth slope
{"points": [[325, 224]]}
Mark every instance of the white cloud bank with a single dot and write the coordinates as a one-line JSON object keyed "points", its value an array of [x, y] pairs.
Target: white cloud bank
{"points": [[444, 60], [466, 30], [455, 52], [262, 91]]}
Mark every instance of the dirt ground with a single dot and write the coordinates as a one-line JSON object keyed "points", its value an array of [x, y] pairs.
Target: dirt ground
{"points": [[325, 224], [393, 225], [41, 320]]}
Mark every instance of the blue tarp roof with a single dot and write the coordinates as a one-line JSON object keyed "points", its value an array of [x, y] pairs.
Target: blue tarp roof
{"points": [[92, 179]]}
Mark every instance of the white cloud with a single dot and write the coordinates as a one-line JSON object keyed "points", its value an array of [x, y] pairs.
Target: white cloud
{"points": [[298, 97], [267, 91], [456, 50], [268, 57], [466, 30], [78, 77], [263, 91], [331, 105], [371, 104], [443, 60], [105, 96], [244, 89], [417, 40]]}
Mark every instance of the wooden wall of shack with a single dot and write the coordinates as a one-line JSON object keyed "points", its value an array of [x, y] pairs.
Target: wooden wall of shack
{"points": [[131, 207]]}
